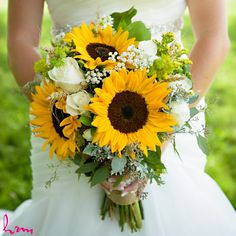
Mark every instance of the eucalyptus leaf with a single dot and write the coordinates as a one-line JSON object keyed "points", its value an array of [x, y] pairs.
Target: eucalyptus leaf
{"points": [[89, 149], [139, 31], [193, 98], [118, 164], [193, 111], [100, 175], [202, 143]]}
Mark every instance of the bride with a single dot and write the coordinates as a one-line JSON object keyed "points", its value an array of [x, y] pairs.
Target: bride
{"points": [[189, 203]]}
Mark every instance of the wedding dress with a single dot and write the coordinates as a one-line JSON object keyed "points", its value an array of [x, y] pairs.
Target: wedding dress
{"points": [[188, 204]]}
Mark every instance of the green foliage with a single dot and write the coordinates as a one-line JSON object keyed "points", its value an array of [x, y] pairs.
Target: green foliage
{"points": [[41, 67], [124, 18], [170, 59], [118, 164], [193, 111], [100, 175], [139, 31], [59, 53], [85, 120], [153, 161], [136, 29], [202, 143]]}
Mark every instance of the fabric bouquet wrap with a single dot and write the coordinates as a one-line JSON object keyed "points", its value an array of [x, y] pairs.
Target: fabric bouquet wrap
{"points": [[109, 98]]}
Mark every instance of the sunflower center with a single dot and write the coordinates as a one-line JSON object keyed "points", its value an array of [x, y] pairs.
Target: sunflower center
{"points": [[96, 50], [128, 112], [57, 117]]}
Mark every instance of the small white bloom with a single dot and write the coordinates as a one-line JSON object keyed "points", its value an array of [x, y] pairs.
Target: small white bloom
{"points": [[75, 103], [180, 110], [68, 76], [88, 135], [185, 84], [103, 22]]}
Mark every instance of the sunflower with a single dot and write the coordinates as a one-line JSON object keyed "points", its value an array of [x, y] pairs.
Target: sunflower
{"points": [[94, 48], [53, 124], [128, 109]]}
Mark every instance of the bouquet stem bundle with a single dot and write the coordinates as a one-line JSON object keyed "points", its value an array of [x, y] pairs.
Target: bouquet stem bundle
{"points": [[131, 214]]}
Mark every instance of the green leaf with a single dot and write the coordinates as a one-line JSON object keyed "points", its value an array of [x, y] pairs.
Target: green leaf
{"points": [[122, 19], [89, 149], [202, 143], [139, 31], [93, 130], [118, 164], [87, 167], [193, 111], [193, 98], [85, 120], [79, 158], [80, 140], [153, 159], [100, 175], [175, 148], [118, 180]]}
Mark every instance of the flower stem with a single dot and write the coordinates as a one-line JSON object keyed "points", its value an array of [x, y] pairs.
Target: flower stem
{"points": [[132, 214]]}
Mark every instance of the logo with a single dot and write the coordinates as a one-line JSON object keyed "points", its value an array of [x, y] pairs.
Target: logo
{"points": [[17, 229]]}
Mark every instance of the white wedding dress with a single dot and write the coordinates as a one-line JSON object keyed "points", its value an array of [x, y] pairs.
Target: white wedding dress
{"points": [[188, 204]]}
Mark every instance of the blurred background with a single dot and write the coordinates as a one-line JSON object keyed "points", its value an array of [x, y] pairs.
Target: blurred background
{"points": [[15, 173]]}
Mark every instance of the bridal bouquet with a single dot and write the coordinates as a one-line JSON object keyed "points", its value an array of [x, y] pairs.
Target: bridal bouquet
{"points": [[110, 97]]}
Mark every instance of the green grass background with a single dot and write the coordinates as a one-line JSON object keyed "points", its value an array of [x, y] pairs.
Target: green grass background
{"points": [[15, 173]]}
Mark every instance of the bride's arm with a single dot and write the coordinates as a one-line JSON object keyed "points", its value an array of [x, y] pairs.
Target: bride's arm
{"points": [[24, 25], [209, 23]]}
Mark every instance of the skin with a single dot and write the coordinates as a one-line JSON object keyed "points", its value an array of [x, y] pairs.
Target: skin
{"points": [[209, 24], [24, 25]]}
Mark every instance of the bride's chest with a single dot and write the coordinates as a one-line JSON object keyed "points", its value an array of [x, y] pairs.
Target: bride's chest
{"points": [[152, 11]]}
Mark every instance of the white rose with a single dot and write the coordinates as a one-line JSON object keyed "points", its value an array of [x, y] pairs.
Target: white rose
{"points": [[75, 103], [181, 111], [149, 48], [185, 84], [68, 76], [88, 135]]}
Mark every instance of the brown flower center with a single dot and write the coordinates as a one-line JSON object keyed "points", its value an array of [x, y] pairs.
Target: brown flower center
{"points": [[96, 50], [57, 117], [128, 112]]}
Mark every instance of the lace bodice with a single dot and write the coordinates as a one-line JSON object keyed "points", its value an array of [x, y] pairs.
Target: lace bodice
{"points": [[159, 15]]}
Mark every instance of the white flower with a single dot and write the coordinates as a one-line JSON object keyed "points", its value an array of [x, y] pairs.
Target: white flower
{"points": [[68, 76], [180, 110], [88, 135], [185, 84], [149, 48], [75, 103], [103, 22]]}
